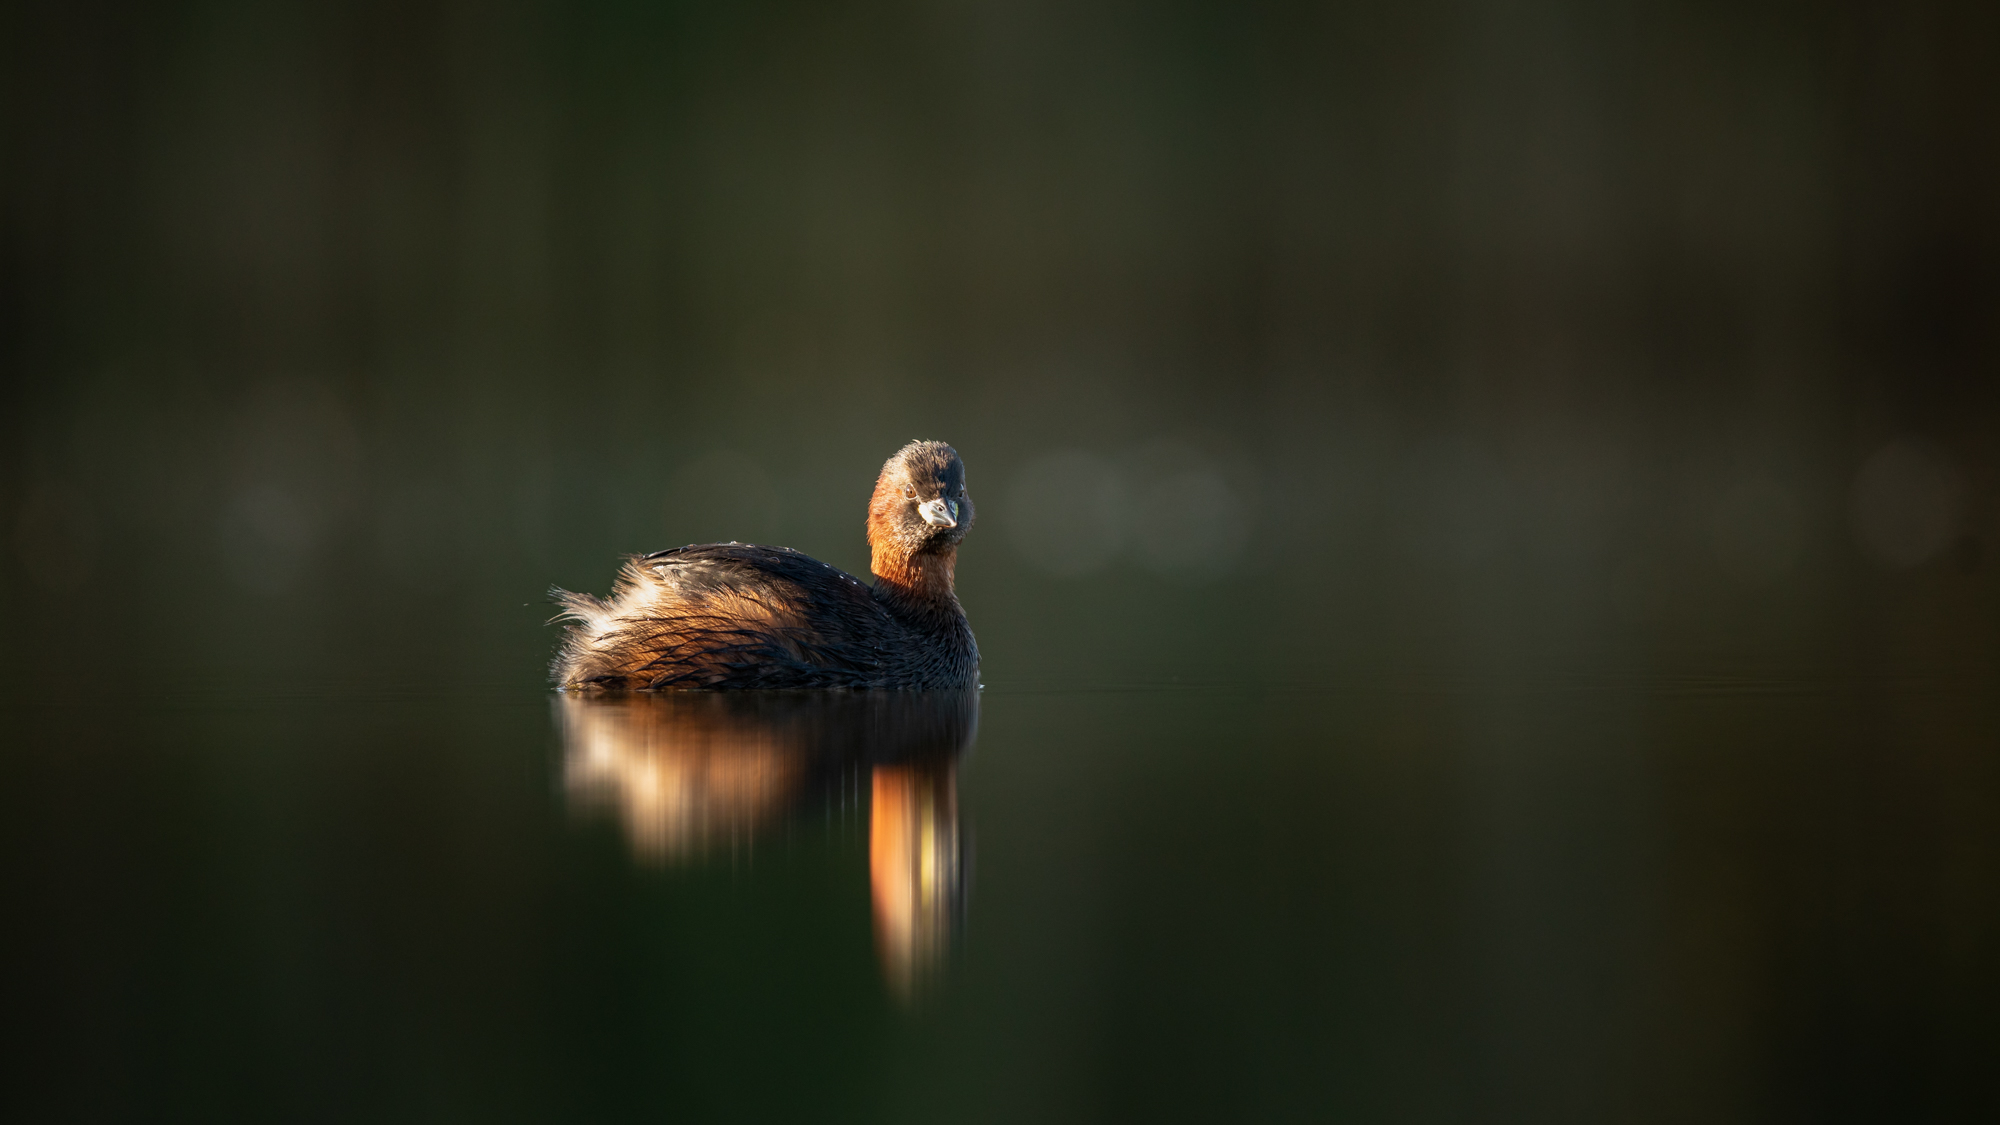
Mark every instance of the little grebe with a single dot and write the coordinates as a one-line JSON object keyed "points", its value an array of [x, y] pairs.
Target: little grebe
{"points": [[732, 615]]}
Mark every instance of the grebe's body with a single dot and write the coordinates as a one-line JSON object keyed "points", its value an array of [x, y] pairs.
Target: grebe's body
{"points": [[730, 615]]}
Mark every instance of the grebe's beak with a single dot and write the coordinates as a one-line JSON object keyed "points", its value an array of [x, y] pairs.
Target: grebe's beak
{"points": [[935, 513]]}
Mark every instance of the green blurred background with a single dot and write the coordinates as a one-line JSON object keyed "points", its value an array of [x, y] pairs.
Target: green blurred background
{"points": [[1401, 333]]}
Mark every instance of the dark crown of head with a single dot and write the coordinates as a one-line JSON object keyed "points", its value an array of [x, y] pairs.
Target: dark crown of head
{"points": [[926, 458]]}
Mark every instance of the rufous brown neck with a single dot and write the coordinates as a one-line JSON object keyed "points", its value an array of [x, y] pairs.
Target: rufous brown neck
{"points": [[924, 578]]}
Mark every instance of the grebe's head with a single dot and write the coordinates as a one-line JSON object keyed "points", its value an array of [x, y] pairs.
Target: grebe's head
{"points": [[920, 503]]}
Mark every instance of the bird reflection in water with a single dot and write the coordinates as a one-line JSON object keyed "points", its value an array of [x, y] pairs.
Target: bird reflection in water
{"points": [[689, 771]]}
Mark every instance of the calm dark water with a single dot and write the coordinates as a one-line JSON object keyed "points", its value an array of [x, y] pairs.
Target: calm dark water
{"points": [[1375, 898]]}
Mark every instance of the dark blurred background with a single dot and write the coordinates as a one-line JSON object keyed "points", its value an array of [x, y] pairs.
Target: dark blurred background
{"points": [[1388, 334], [1566, 432]]}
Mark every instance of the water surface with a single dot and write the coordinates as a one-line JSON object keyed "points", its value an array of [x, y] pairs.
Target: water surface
{"points": [[1394, 898]]}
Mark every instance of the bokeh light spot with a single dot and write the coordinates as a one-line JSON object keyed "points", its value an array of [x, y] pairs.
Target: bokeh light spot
{"points": [[1908, 504]]}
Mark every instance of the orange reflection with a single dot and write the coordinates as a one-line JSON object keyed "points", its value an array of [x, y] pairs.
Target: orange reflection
{"points": [[914, 868], [681, 773], [686, 771]]}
